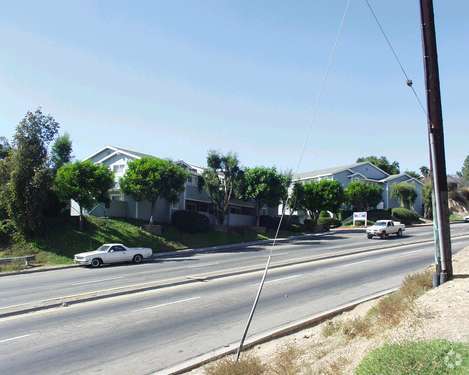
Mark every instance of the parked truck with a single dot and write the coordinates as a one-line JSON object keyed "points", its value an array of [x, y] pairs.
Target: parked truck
{"points": [[113, 253], [384, 228]]}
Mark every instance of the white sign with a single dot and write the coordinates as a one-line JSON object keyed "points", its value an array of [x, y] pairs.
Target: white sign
{"points": [[360, 216]]}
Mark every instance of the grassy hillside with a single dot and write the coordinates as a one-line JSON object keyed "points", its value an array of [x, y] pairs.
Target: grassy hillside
{"points": [[61, 240]]}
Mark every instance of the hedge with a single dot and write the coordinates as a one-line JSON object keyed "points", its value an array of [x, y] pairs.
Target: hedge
{"points": [[405, 216], [191, 222]]}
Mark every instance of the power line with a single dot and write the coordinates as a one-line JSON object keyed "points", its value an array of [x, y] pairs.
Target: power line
{"points": [[396, 57], [300, 159]]}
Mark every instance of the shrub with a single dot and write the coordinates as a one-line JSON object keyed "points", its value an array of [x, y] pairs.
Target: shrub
{"points": [[327, 221], [405, 216], [417, 358], [331, 328], [191, 222], [7, 230]]}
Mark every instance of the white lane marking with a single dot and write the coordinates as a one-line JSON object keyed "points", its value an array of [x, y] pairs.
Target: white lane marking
{"points": [[203, 265], [167, 304], [277, 255], [96, 281], [282, 279], [15, 338]]}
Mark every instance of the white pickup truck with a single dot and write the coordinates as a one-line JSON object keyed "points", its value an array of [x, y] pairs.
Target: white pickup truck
{"points": [[383, 228], [113, 253]]}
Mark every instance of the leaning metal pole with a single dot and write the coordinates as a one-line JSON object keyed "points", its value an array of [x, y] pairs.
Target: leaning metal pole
{"points": [[436, 137]]}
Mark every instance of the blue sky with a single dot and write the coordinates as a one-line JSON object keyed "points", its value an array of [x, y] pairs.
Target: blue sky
{"points": [[177, 78]]}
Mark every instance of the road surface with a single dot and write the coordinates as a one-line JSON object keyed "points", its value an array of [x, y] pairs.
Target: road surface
{"points": [[147, 332], [21, 289]]}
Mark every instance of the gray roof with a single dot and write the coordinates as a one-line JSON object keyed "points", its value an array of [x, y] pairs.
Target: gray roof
{"points": [[394, 176], [327, 171]]}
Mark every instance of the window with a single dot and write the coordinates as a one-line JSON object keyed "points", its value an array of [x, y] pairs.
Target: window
{"points": [[116, 197], [192, 180], [117, 248], [118, 169]]}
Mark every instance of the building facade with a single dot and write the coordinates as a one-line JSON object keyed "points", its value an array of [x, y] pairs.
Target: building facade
{"points": [[366, 171], [242, 213]]}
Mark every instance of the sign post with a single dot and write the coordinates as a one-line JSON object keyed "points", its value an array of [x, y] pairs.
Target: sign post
{"points": [[360, 216]]}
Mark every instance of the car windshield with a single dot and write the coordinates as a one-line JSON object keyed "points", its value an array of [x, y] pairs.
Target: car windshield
{"points": [[103, 248], [381, 223]]}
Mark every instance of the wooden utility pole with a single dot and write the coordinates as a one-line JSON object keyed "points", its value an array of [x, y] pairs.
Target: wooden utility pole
{"points": [[436, 138]]}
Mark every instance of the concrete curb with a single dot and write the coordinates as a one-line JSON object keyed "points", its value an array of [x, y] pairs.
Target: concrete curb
{"points": [[154, 285], [281, 331], [176, 253]]}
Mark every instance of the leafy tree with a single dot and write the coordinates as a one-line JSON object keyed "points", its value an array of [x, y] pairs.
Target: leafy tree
{"points": [[4, 147], [264, 186], [5, 171], [362, 195], [325, 195], [84, 182], [61, 151], [465, 171], [425, 171], [427, 200], [405, 192], [30, 178], [413, 174], [297, 197], [286, 179], [150, 178], [383, 163], [222, 180]]}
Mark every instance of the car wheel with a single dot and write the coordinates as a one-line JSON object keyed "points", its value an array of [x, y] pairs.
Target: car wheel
{"points": [[137, 259], [96, 262], [399, 233], [370, 236]]}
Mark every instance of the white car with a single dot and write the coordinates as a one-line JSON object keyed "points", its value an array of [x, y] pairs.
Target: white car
{"points": [[113, 253], [383, 228], [466, 219]]}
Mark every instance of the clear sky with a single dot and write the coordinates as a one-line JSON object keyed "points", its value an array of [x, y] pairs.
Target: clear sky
{"points": [[177, 78]]}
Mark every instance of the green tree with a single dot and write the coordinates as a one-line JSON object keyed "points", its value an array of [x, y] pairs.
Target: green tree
{"points": [[427, 200], [5, 171], [264, 186], [151, 178], [84, 182], [296, 200], [325, 195], [30, 178], [413, 174], [222, 179], [464, 174], [4, 147], [405, 192], [61, 152], [362, 195], [425, 171], [382, 163]]}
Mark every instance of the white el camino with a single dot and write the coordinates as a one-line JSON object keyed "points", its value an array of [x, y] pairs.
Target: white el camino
{"points": [[113, 253]]}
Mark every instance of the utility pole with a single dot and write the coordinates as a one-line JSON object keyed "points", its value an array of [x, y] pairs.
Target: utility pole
{"points": [[436, 138]]}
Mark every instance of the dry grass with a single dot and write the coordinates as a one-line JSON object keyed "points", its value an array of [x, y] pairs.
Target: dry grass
{"points": [[331, 328], [357, 327], [287, 361], [13, 266], [247, 365], [416, 284]]}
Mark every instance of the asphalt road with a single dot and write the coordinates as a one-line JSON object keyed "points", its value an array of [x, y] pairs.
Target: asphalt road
{"points": [[22, 289], [147, 332]]}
